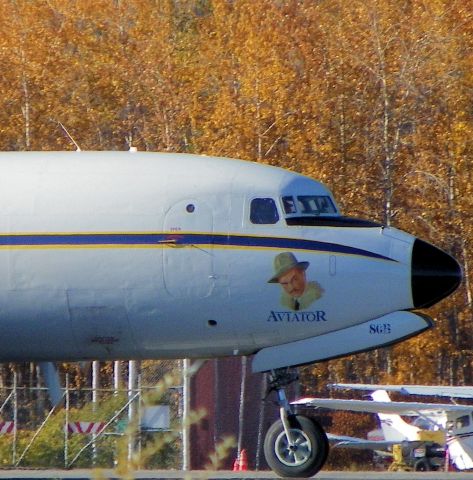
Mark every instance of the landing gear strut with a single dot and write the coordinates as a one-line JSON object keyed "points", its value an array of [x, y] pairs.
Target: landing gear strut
{"points": [[295, 445]]}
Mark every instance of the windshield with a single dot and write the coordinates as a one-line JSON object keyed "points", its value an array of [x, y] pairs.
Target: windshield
{"points": [[309, 205]]}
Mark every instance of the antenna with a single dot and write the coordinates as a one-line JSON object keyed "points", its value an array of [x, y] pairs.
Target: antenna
{"points": [[70, 137], [129, 140]]}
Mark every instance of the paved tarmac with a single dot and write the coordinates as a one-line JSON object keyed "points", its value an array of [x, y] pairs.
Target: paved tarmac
{"points": [[85, 474]]}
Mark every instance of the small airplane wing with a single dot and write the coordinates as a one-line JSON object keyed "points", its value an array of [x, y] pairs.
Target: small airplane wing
{"points": [[433, 390], [371, 406], [344, 441]]}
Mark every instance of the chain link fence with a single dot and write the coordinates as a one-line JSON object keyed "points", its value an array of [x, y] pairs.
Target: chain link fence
{"points": [[114, 422]]}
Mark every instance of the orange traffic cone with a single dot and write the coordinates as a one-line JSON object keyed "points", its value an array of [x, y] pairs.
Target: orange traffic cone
{"points": [[243, 461]]}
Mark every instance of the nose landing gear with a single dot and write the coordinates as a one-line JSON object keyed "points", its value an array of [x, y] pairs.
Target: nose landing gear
{"points": [[295, 445]]}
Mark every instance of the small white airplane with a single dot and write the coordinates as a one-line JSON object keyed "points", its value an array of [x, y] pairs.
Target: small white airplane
{"points": [[447, 424], [128, 255], [422, 442]]}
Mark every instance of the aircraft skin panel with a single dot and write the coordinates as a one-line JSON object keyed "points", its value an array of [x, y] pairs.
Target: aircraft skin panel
{"points": [[183, 238], [344, 441], [188, 266], [52, 266], [166, 255], [23, 329], [429, 390], [394, 427], [460, 449], [139, 267], [383, 331], [368, 406]]}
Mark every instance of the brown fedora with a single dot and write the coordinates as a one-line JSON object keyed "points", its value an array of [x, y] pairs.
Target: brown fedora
{"points": [[285, 262]]}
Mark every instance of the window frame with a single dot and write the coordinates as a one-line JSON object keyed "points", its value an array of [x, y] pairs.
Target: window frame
{"points": [[276, 210]]}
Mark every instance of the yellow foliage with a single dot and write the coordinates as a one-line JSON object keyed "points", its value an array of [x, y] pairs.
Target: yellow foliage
{"points": [[373, 98]]}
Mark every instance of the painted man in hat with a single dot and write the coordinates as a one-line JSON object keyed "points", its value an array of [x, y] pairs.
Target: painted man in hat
{"points": [[298, 293]]}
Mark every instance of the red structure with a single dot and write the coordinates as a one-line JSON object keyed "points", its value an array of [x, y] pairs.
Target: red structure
{"points": [[232, 397]]}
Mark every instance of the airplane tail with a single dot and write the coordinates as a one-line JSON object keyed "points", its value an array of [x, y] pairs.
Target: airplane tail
{"points": [[394, 428]]}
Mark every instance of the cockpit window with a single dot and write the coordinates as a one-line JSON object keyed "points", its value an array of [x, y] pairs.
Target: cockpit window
{"points": [[462, 422], [315, 204], [263, 211], [309, 205], [289, 205]]}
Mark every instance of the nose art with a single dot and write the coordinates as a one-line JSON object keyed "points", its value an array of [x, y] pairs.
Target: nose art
{"points": [[435, 274]]}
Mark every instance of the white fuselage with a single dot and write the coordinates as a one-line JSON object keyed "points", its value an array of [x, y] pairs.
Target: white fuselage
{"points": [[136, 255], [460, 439]]}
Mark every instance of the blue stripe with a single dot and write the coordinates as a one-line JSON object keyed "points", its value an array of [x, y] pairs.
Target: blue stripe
{"points": [[154, 239], [297, 244], [81, 239]]}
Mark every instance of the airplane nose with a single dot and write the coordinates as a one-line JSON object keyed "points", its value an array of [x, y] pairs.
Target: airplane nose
{"points": [[435, 274]]}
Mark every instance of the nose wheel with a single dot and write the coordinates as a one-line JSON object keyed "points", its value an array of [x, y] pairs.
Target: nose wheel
{"points": [[303, 455], [295, 445], [295, 454]]}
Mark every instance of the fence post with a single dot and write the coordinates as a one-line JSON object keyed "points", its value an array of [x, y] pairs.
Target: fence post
{"points": [[185, 414], [95, 397], [66, 424], [15, 417], [132, 377]]}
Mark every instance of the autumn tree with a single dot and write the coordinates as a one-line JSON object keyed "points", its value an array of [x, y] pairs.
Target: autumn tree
{"points": [[371, 97]]}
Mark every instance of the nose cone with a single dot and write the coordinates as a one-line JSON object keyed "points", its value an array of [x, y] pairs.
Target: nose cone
{"points": [[435, 274]]}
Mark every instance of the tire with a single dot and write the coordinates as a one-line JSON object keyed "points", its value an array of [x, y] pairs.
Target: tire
{"points": [[422, 465], [309, 455]]}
